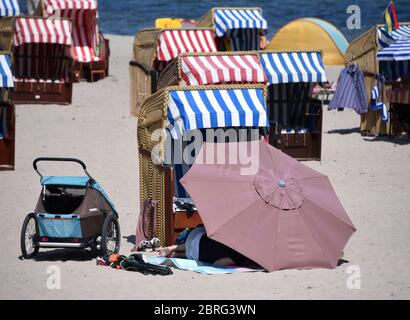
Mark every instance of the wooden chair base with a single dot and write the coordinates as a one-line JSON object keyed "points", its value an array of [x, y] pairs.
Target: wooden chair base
{"points": [[42, 93], [91, 72], [301, 146], [97, 74], [78, 72]]}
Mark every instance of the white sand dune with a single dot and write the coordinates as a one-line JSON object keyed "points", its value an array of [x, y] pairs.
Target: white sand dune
{"points": [[371, 177]]}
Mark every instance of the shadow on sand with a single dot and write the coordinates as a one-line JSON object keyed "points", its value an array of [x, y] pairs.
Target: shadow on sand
{"points": [[64, 255], [344, 131], [399, 140], [130, 239]]}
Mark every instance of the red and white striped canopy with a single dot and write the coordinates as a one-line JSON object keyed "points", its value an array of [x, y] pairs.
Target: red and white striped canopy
{"points": [[31, 30], [53, 5], [173, 42], [214, 69]]}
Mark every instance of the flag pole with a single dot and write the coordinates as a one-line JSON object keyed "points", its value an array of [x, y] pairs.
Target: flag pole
{"points": [[387, 7]]}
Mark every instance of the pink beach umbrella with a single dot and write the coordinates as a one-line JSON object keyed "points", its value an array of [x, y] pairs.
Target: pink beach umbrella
{"points": [[283, 215]]}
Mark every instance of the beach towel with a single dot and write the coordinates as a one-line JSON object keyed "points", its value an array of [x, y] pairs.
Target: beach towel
{"points": [[196, 266], [377, 94]]}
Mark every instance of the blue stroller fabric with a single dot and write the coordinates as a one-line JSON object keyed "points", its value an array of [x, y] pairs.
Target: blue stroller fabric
{"points": [[68, 227]]}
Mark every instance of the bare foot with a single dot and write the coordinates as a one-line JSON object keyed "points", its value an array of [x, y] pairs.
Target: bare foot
{"points": [[166, 251]]}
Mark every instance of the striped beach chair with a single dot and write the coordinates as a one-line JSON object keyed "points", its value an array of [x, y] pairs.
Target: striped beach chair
{"points": [[362, 51], [209, 69], [296, 118], [90, 48], [181, 111], [41, 58], [7, 114]]}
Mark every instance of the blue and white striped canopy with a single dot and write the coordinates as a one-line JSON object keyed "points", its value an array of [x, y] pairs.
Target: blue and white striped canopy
{"points": [[213, 108], [290, 67], [6, 76], [386, 39], [397, 51], [229, 19], [9, 8]]}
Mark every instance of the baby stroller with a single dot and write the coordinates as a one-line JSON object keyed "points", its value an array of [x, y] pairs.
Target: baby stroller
{"points": [[72, 212]]}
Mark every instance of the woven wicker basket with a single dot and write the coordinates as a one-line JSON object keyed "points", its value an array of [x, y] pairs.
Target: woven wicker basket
{"points": [[6, 33], [156, 180]]}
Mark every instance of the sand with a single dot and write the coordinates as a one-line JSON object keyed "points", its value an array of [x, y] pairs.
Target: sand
{"points": [[371, 177]]}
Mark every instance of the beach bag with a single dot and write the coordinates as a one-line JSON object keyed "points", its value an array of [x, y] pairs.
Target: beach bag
{"points": [[147, 221], [135, 262]]}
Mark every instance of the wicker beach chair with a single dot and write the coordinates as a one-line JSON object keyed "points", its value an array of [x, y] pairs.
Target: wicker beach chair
{"points": [[362, 51], [156, 176], [153, 49], [295, 116], [42, 62]]}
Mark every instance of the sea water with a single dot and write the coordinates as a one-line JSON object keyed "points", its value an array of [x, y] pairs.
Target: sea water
{"points": [[125, 17]]}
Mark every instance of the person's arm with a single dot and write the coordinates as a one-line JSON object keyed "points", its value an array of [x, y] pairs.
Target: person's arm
{"points": [[177, 250], [225, 262]]}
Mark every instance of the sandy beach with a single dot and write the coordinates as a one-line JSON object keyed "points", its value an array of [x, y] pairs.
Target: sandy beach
{"points": [[370, 175]]}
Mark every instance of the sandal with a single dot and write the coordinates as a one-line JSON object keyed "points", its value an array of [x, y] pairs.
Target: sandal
{"points": [[145, 246], [155, 244]]}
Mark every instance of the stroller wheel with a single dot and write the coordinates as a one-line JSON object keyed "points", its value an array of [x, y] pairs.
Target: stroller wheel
{"points": [[110, 236], [29, 235]]}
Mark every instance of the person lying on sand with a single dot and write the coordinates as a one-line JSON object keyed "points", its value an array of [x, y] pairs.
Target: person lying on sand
{"points": [[200, 248]]}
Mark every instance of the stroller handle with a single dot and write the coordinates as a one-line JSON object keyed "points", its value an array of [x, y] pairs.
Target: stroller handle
{"points": [[82, 164]]}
